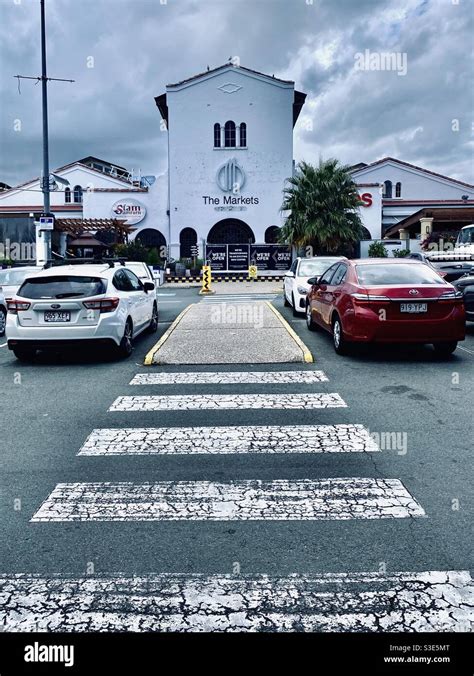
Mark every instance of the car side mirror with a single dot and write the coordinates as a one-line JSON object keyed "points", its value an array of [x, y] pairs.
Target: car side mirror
{"points": [[313, 281], [149, 286]]}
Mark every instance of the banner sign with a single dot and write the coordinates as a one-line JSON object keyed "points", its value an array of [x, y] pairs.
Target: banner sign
{"points": [[216, 254], [238, 257], [271, 256]]}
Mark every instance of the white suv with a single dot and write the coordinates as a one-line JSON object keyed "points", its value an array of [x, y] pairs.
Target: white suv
{"points": [[65, 305], [295, 281]]}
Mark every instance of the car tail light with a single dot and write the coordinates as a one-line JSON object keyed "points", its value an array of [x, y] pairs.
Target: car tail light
{"points": [[450, 296], [16, 306], [360, 298], [103, 305]]}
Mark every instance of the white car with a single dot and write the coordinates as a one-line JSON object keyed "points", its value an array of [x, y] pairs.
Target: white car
{"points": [[79, 304], [3, 314], [12, 278], [295, 282]]}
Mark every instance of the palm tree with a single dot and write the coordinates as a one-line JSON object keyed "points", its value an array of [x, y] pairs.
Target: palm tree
{"points": [[323, 203]]}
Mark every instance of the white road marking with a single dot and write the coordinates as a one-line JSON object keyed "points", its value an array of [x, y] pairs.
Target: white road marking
{"points": [[229, 377], [439, 601], [165, 295], [227, 401], [227, 440], [250, 500], [3, 344], [460, 347]]}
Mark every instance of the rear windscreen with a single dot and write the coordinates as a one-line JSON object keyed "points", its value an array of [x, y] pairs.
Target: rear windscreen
{"points": [[62, 286], [409, 273]]}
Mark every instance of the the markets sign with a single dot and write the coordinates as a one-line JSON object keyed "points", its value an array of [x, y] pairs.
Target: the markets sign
{"points": [[128, 209], [238, 257]]}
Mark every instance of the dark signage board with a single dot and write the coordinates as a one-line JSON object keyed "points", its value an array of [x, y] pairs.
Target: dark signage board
{"points": [[216, 254], [238, 256], [271, 256]]}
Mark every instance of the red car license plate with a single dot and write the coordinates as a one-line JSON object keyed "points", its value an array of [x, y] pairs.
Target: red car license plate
{"points": [[56, 316], [413, 308]]}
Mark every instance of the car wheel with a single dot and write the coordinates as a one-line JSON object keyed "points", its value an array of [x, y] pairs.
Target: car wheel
{"points": [[446, 348], [309, 318], [24, 353], [126, 345], [3, 321], [293, 301], [153, 327], [338, 338]]}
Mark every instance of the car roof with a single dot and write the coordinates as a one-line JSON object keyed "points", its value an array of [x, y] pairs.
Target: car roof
{"points": [[389, 261], [77, 270]]}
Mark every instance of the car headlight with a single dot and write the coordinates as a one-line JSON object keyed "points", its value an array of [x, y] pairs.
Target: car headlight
{"points": [[302, 289]]}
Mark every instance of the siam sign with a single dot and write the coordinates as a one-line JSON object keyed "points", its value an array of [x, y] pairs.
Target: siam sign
{"points": [[129, 209], [366, 199]]}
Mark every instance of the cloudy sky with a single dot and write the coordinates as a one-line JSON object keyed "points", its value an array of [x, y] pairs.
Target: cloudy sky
{"points": [[136, 47]]}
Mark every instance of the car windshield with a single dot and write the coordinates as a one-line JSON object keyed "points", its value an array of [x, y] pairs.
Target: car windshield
{"points": [[62, 286], [466, 236], [12, 277], [386, 274], [312, 268]]}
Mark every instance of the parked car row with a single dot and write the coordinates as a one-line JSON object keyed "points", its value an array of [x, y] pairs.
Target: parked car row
{"points": [[379, 300], [97, 304]]}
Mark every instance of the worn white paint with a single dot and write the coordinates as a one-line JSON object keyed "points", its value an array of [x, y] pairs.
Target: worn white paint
{"points": [[227, 401], [227, 440], [279, 500], [229, 378], [428, 601]]}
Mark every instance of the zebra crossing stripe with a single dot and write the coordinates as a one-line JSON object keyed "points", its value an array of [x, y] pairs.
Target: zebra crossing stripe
{"points": [[230, 377], [250, 500], [227, 401], [439, 601], [227, 440]]}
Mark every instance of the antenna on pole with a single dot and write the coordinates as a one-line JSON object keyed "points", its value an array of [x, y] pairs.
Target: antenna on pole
{"points": [[45, 186]]}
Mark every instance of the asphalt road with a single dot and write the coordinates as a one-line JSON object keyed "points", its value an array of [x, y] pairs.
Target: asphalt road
{"points": [[50, 407]]}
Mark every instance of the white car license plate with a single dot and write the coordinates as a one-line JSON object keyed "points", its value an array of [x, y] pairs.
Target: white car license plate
{"points": [[413, 308], [57, 316]]}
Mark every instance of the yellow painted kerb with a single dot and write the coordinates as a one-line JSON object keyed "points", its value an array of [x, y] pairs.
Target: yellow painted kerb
{"points": [[307, 356], [149, 357]]}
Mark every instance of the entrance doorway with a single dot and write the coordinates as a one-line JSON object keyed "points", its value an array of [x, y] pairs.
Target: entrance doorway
{"points": [[231, 231]]}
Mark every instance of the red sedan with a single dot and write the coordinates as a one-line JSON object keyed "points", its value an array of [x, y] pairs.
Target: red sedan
{"points": [[387, 301]]}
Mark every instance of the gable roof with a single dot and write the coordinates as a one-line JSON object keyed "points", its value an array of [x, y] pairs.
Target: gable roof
{"points": [[386, 160], [298, 101], [228, 66], [56, 171]]}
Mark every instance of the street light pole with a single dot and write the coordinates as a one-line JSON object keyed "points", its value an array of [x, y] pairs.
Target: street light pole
{"points": [[44, 98]]}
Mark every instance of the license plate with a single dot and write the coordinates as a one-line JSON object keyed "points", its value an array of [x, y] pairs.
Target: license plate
{"points": [[56, 316], [413, 308]]}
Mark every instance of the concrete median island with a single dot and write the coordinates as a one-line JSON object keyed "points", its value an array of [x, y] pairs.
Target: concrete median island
{"points": [[229, 333]]}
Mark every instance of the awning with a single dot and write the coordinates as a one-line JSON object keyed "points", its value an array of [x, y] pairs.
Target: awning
{"points": [[77, 226]]}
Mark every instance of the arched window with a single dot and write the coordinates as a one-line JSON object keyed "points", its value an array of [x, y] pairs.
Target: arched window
{"points": [[67, 195], [398, 190], [243, 134], [217, 135], [387, 189], [77, 193], [272, 234], [229, 134]]}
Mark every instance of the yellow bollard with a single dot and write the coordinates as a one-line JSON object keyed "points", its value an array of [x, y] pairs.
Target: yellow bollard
{"points": [[252, 272], [206, 281]]}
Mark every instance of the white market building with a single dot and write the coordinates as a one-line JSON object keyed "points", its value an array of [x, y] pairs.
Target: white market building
{"points": [[229, 134]]}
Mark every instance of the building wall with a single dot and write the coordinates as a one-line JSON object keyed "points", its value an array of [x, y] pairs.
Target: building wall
{"points": [[416, 185], [267, 110]]}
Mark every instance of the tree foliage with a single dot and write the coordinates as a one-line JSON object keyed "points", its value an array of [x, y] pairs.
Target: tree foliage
{"points": [[323, 203]]}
